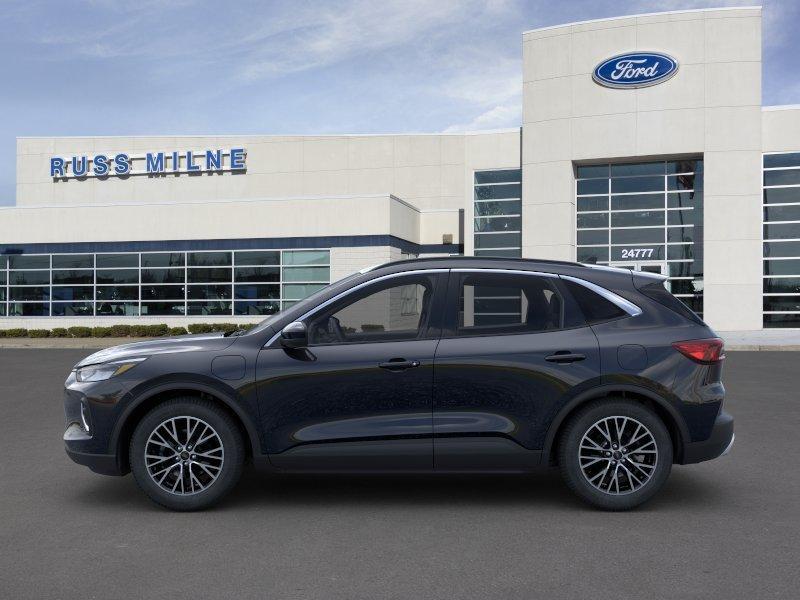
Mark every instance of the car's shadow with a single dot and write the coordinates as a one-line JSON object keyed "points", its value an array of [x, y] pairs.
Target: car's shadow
{"points": [[543, 490]]}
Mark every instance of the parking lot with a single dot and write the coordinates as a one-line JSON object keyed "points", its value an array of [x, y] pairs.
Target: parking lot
{"points": [[724, 529]]}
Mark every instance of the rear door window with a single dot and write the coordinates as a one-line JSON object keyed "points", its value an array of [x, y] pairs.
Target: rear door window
{"points": [[492, 303]]}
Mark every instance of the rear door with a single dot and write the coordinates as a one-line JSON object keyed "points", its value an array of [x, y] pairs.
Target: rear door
{"points": [[514, 350]]}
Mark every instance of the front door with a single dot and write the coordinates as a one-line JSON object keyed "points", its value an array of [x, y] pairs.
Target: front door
{"points": [[514, 350], [360, 396]]}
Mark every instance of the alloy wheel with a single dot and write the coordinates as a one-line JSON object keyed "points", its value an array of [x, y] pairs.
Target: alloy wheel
{"points": [[618, 455], [184, 455]]}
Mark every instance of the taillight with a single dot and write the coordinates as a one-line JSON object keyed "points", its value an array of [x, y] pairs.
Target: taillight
{"points": [[703, 351]]}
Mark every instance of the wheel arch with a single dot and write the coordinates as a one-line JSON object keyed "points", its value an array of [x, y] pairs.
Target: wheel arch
{"points": [[662, 407], [153, 396]]}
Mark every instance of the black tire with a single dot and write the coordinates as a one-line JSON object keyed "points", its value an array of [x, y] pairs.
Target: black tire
{"points": [[628, 495], [227, 475]]}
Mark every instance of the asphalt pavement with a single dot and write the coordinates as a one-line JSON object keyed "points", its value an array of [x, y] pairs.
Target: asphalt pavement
{"points": [[727, 529]]}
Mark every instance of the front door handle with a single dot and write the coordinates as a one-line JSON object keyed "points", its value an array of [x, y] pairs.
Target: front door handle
{"points": [[399, 364], [564, 356]]}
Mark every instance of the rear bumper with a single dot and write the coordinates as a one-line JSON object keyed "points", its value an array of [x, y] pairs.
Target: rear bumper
{"points": [[718, 443]]}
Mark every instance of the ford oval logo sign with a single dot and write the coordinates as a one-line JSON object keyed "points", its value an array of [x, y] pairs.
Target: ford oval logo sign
{"points": [[635, 70]]}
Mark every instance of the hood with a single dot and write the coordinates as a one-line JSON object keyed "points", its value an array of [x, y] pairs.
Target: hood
{"points": [[180, 343]]}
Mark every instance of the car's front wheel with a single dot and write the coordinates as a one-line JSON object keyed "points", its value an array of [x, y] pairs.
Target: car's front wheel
{"points": [[615, 454], [186, 454]]}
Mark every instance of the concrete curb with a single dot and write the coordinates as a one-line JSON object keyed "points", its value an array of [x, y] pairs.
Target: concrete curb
{"points": [[762, 348]]}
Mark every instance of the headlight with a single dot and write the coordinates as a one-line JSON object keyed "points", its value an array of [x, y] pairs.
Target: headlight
{"points": [[105, 371]]}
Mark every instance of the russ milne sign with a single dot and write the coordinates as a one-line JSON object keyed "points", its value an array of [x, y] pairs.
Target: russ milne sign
{"points": [[635, 70], [122, 164]]}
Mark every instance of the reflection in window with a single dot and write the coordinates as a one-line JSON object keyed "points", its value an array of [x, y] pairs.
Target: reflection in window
{"points": [[492, 303], [179, 283], [497, 224], [392, 313], [645, 215], [781, 300]]}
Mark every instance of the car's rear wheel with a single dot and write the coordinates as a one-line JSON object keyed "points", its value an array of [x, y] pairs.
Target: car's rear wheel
{"points": [[615, 454], [186, 454]]}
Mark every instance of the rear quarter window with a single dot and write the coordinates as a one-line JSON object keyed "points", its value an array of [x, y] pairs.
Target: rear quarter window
{"points": [[656, 291], [595, 308]]}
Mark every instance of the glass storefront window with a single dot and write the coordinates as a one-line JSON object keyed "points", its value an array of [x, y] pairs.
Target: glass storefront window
{"points": [[644, 215], [781, 300], [117, 284], [497, 205], [163, 259], [73, 261]]}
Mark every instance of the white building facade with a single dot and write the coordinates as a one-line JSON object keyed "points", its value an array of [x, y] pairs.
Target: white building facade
{"points": [[674, 168]]}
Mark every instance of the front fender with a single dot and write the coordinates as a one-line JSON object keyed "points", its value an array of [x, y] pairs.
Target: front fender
{"points": [[189, 383]]}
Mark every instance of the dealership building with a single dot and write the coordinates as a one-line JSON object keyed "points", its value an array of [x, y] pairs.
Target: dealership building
{"points": [[644, 144]]}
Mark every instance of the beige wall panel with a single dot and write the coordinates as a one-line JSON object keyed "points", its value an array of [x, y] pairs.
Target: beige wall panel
{"points": [[590, 99], [733, 39], [733, 128], [781, 130], [547, 57], [321, 183], [453, 148], [547, 99], [734, 307], [548, 141], [603, 136], [370, 152], [325, 154], [735, 173], [685, 40], [729, 218], [417, 150], [274, 157], [555, 252], [685, 90], [436, 223], [413, 182], [547, 183], [370, 181], [665, 132], [599, 41], [733, 84]]}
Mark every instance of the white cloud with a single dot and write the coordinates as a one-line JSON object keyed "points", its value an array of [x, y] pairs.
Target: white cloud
{"points": [[497, 117], [327, 35]]}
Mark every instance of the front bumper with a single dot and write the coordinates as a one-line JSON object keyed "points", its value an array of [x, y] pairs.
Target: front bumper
{"points": [[718, 443], [105, 464], [90, 411]]}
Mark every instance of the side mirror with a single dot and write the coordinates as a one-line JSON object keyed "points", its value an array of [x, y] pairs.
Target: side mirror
{"points": [[294, 335]]}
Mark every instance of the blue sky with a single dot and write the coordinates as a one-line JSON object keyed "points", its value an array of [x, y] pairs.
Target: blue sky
{"points": [[149, 67]]}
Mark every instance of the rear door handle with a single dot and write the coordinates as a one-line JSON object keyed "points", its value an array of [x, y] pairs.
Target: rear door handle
{"points": [[398, 364], [564, 356]]}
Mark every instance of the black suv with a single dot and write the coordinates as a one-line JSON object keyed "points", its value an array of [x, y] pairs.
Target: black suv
{"points": [[443, 364]]}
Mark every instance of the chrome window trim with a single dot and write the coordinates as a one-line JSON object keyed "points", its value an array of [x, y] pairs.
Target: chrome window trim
{"points": [[349, 291], [629, 307]]}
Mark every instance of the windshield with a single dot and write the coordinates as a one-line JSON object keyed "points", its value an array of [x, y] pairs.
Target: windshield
{"points": [[303, 305]]}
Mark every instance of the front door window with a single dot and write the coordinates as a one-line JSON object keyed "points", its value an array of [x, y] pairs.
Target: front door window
{"points": [[394, 312]]}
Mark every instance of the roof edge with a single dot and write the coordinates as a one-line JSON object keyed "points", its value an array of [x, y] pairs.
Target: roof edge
{"points": [[652, 14], [268, 135]]}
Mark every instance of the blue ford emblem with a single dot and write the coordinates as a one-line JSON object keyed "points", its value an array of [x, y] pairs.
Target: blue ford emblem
{"points": [[635, 70]]}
